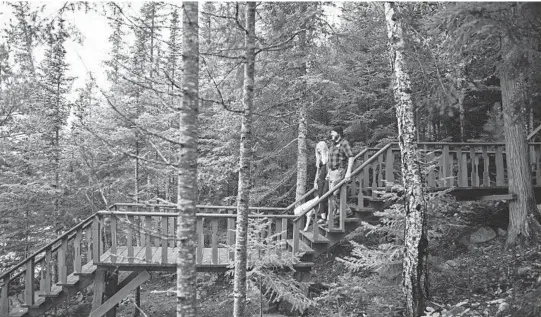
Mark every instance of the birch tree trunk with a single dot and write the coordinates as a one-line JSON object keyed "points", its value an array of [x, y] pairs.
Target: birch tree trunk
{"points": [[302, 158], [245, 157], [187, 163], [415, 273], [516, 149]]}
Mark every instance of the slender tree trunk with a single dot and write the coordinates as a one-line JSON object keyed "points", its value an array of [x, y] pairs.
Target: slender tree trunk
{"points": [[302, 157], [187, 163], [460, 83], [521, 225], [245, 157], [415, 270]]}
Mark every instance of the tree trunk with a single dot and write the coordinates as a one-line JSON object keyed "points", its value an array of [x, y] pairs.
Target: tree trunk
{"points": [[302, 158], [245, 157], [461, 87], [415, 270], [187, 163], [518, 165]]}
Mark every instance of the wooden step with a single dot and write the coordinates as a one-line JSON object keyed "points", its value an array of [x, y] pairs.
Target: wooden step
{"points": [[38, 300], [303, 247], [87, 270], [55, 292], [310, 236], [70, 281]]}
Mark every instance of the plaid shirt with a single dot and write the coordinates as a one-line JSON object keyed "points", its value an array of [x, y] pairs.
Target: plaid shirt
{"points": [[339, 154]]}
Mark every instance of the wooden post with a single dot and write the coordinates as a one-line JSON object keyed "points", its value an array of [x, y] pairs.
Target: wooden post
{"points": [[430, 176], [113, 239], [295, 237], [214, 240], [88, 238], [486, 164], [278, 237], [445, 165], [164, 239], [111, 288], [200, 240], [389, 169], [148, 239], [231, 235], [343, 205], [62, 268], [4, 297], [95, 240], [99, 288], [131, 224], [500, 179], [48, 271], [77, 263], [29, 283]]}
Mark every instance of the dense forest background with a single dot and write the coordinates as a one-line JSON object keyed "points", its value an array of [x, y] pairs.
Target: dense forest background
{"points": [[66, 153]]}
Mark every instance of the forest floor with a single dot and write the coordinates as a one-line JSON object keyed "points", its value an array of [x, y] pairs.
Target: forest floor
{"points": [[477, 280]]}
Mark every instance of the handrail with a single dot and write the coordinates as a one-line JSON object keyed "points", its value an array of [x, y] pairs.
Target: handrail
{"points": [[174, 206], [170, 214], [342, 182], [44, 248], [288, 208], [533, 133]]}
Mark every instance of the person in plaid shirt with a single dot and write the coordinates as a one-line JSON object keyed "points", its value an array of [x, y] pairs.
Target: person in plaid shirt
{"points": [[340, 163]]}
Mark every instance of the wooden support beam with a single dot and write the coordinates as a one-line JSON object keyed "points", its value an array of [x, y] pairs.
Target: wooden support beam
{"points": [[118, 296], [4, 297], [110, 290], [99, 288]]}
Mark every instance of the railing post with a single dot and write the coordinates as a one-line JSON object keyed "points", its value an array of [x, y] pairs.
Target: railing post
{"points": [[214, 240], [343, 206], [4, 297], [389, 169], [29, 283], [200, 240], [500, 178], [131, 225], [61, 256], [486, 164], [231, 234], [48, 271], [164, 239], [96, 239], [148, 238], [113, 239], [295, 237], [77, 263], [445, 166]]}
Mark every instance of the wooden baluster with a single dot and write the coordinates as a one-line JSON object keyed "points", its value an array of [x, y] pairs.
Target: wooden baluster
{"points": [[278, 237], [538, 165], [48, 266], [500, 180], [231, 235], [157, 231], [29, 282], [61, 260], [164, 239], [330, 214], [4, 297], [269, 234], [131, 224], [88, 238], [389, 169], [477, 178], [430, 163], [171, 232], [451, 170], [459, 176], [113, 239], [200, 240], [148, 238], [315, 227], [360, 194], [77, 263], [284, 233], [444, 167], [381, 183], [473, 156], [296, 238], [95, 240], [374, 178], [343, 207], [214, 240], [486, 165]]}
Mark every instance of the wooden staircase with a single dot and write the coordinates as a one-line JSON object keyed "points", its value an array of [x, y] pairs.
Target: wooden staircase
{"points": [[116, 249]]}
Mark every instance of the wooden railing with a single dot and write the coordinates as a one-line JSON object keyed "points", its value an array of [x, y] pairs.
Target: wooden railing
{"points": [[143, 238], [48, 266]]}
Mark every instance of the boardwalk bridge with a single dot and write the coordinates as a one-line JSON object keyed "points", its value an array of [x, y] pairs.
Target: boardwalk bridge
{"points": [[135, 239]]}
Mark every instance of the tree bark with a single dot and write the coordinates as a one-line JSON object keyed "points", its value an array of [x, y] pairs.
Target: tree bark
{"points": [[245, 157], [415, 271], [187, 163], [521, 225], [302, 155]]}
